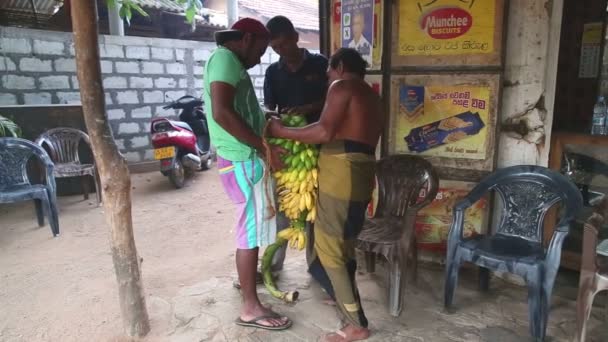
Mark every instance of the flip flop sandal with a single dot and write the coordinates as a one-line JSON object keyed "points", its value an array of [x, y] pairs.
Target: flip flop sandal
{"points": [[253, 323]]}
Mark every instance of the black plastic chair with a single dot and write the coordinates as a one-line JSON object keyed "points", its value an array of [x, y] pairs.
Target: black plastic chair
{"points": [[401, 178], [15, 185], [516, 244]]}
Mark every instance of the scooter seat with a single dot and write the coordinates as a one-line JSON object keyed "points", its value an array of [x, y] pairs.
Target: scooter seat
{"points": [[182, 125]]}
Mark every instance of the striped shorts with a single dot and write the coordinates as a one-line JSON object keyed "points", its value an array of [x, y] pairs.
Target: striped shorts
{"points": [[244, 185]]}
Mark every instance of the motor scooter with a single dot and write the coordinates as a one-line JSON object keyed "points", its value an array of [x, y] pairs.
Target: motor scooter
{"points": [[183, 146]]}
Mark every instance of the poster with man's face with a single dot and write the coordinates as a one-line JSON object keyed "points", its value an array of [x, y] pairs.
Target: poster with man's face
{"points": [[358, 26]]}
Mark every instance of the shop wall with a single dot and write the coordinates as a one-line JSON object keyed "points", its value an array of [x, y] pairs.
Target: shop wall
{"points": [[139, 74], [576, 96]]}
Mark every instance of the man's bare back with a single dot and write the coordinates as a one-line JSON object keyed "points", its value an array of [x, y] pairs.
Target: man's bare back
{"points": [[363, 118], [352, 112]]}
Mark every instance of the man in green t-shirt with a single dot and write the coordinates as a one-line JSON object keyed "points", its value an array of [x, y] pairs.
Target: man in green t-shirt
{"points": [[236, 124]]}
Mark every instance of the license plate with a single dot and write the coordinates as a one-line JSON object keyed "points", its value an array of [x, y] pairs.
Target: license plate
{"points": [[164, 153]]}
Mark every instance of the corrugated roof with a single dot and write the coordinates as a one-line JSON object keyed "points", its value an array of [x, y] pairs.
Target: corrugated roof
{"points": [[48, 6], [42, 6], [304, 14], [165, 5]]}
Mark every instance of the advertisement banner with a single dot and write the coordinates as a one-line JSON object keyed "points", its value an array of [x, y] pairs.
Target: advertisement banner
{"points": [[433, 221], [589, 66], [336, 26], [377, 39], [443, 121], [358, 27], [446, 27], [375, 81]]}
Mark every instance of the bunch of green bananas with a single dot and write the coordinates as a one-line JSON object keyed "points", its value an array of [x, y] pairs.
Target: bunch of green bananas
{"points": [[297, 183]]}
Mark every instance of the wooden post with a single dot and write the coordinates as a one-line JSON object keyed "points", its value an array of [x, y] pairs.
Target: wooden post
{"points": [[115, 179]]}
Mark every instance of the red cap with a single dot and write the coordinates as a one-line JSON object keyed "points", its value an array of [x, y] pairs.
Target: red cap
{"points": [[252, 26]]}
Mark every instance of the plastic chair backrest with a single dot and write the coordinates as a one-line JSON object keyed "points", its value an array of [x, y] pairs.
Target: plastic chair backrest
{"points": [[14, 156], [401, 178], [63, 144], [527, 193]]}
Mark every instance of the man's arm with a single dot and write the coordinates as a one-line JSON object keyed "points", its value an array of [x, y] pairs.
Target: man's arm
{"points": [[308, 109], [333, 114], [222, 104]]}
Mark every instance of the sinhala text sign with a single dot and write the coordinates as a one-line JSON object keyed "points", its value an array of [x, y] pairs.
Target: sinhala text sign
{"points": [[450, 119], [443, 121], [442, 33]]}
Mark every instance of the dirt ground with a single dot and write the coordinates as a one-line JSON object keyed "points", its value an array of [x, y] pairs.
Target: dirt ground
{"points": [[64, 289]]}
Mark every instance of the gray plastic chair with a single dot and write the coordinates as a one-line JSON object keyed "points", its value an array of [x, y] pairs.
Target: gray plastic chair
{"points": [[516, 244], [63, 145], [594, 268], [390, 233], [15, 185]]}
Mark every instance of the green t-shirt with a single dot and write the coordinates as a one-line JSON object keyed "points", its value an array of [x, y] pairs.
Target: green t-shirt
{"points": [[224, 66]]}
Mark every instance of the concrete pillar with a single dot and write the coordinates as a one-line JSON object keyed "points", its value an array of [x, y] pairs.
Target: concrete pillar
{"points": [[117, 28], [532, 50], [232, 10]]}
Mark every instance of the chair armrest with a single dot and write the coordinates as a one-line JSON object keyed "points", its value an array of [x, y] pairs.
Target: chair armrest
{"points": [[463, 204], [559, 234], [49, 167], [553, 257], [474, 195], [563, 228], [457, 225], [589, 254], [86, 139]]}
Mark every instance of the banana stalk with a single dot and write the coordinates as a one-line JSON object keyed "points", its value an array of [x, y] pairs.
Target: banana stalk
{"points": [[287, 296], [297, 185]]}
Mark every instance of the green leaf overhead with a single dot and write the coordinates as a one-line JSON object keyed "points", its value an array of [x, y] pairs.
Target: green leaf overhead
{"points": [[127, 7], [8, 128]]}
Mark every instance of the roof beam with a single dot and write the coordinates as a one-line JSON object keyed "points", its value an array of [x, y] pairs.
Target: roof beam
{"points": [[35, 12]]}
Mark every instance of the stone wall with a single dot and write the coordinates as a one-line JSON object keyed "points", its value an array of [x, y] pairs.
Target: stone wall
{"points": [[139, 75]]}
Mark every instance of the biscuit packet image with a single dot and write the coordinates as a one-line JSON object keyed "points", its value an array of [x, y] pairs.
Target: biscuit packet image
{"points": [[411, 102], [445, 131]]}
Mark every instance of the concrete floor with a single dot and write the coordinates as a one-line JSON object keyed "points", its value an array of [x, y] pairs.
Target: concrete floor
{"points": [[204, 312], [64, 289]]}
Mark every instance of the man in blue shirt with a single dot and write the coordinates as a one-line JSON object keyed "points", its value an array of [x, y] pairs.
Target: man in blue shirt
{"points": [[297, 83]]}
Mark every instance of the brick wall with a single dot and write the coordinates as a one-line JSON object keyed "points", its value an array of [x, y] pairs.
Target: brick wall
{"points": [[139, 75]]}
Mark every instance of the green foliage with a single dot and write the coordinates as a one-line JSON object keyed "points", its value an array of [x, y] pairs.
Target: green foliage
{"points": [[127, 7], [8, 128]]}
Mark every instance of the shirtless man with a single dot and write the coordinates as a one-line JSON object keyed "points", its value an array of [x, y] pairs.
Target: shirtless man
{"points": [[349, 128]]}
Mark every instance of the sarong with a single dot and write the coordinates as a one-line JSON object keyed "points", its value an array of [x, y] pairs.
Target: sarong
{"points": [[244, 184], [346, 176]]}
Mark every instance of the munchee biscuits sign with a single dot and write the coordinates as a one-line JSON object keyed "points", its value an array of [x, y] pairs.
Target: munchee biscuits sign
{"points": [[446, 27]]}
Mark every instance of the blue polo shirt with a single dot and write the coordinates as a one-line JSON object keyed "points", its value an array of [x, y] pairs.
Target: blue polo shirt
{"points": [[286, 89]]}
